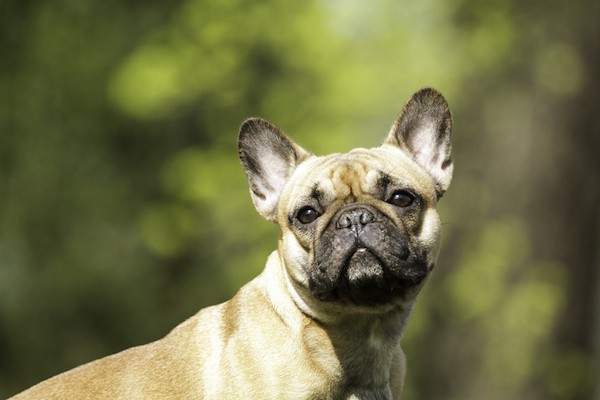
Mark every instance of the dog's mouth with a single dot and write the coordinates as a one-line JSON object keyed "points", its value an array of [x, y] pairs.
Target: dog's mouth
{"points": [[366, 278]]}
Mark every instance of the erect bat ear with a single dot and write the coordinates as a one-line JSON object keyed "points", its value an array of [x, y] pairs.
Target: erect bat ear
{"points": [[269, 158], [423, 130]]}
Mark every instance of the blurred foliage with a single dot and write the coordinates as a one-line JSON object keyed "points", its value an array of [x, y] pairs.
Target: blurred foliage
{"points": [[123, 208]]}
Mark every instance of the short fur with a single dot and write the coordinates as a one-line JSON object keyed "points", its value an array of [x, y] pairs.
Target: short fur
{"points": [[360, 235]]}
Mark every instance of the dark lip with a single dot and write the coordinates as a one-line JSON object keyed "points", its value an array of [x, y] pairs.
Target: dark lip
{"points": [[358, 249], [408, 275], [400, 278]]}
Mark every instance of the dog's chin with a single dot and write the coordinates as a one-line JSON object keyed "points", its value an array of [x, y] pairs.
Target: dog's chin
{"points": [[367, 281], [364, 281]]}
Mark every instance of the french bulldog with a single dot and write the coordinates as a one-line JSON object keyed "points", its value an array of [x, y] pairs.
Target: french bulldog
{"points": [[359, 237]]}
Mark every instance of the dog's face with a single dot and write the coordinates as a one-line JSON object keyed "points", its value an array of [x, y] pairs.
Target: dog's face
{"points": [[358, 229], [362, 225]]}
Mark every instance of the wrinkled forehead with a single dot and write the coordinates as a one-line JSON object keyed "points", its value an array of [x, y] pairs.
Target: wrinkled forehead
{"points": [[361, 172]]}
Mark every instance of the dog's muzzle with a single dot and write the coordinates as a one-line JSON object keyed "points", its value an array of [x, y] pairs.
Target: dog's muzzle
{"points": [[363, 257]]}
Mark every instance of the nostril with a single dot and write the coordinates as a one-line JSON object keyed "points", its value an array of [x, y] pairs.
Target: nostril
{"points": [[366, 218], [344, 222]]}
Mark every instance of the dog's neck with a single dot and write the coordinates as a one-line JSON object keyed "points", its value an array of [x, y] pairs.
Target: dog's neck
{"points": [[366, 347], [363, 344]]}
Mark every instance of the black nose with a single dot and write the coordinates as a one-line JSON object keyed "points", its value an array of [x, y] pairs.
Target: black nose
{"points": [[354, 219]]}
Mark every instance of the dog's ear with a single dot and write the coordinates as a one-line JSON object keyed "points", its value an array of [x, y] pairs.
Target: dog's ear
{"points": [[269, 158], [423, 129]]}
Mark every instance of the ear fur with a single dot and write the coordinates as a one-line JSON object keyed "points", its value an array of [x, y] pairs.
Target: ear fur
{"points": [[269, 158], [423, 129]]}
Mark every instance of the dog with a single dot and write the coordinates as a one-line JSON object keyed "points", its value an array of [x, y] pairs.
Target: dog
{"points": [[359, 237]]}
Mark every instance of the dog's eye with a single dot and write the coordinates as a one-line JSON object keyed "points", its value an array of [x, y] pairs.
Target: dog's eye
{"points": [[307, 214], [402, 198]]}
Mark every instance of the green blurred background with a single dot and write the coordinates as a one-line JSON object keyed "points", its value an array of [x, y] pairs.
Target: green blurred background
{"points": [[123, 208]]}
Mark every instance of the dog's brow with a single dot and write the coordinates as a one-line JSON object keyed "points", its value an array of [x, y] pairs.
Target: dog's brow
{"points": [[384, 180], [316, 193]]}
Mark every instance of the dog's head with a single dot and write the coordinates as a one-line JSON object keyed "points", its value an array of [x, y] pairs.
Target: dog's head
{"points": [[360, 228]]}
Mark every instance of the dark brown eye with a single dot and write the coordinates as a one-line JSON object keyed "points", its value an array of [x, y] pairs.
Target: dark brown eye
{"points": [[402, 198], [307, 214]]}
